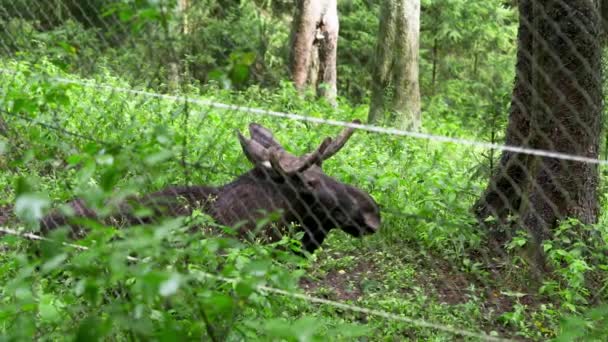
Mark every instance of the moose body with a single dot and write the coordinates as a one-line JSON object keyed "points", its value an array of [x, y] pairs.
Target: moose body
{"points": [[294, 187]]}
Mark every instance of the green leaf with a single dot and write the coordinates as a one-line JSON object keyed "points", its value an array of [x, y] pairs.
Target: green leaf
{"points": [[27, 105], [244, 288], [125, 14], [67, 47], [90, 329], [302, 330], [219, 303], [245, 58], [74, 159], [48, 308], [258, 268], [170, 286], [105, 159], [54, 263], [158, 157], [239, 73], [351, 330], [24, 185], [91, 148], [109, 178], [30, 207], [150, 14], [216, 75]]}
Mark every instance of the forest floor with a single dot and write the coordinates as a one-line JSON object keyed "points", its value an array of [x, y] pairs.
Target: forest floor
{"points": [[363, 274]]}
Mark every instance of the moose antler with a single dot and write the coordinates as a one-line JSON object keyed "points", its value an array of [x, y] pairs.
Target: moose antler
{"points": [[264, 150], [288, 164], [263, 136], [254, 151], [337, 144]]}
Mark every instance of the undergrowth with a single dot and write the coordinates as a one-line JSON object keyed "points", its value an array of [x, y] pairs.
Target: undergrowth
{"points": [[74, 139]]}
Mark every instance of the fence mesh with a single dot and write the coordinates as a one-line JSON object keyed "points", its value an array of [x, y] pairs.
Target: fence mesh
{"points": [[179, 120]]}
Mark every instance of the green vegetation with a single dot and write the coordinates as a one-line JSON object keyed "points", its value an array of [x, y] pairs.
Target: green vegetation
{"points": [[68, 137]]}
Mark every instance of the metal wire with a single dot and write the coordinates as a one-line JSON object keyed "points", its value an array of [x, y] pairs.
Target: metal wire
{"points": [[370, 128]]}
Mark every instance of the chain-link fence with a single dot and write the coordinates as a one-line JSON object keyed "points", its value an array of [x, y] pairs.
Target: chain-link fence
{"points": [[255, 206]]}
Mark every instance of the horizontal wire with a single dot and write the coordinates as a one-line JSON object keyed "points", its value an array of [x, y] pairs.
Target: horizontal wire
{"points": [[365, 127], [263, 288]]}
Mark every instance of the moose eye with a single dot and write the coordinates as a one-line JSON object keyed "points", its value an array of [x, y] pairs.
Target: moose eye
{"points": [[312, 182]]}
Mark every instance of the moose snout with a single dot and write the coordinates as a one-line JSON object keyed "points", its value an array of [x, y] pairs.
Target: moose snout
{"points": [[372, 223]]}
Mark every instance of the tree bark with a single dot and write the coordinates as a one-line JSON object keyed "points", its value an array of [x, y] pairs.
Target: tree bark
{"points": [[3, 127], [183, 7], [556, 105], [175, 69], [395, 87], [603, 8], [314, 44]]}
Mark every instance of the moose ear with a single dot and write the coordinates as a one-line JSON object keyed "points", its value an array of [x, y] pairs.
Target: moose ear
{"points": [[256, 153], [263, 136]]}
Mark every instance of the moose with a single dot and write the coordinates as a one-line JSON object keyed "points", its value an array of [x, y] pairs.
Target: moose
{"points": [[295, 187]]}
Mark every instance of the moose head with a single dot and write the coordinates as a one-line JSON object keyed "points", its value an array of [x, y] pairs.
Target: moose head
{"points": [[299, 188], [294, 187]]}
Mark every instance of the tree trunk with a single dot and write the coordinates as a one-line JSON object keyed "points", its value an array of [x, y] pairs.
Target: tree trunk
{"points": [[314, 44], [183, 6], [3, 127], [313, 66], [603, 8], [395, 88], [434, 69], [556, 105], [175, 69]]}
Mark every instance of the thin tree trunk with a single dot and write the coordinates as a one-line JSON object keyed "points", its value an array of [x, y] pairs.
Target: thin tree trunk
{"points": [[303, 36], [395, 88], [183, 6], [383, 62], [328, 53], [3, 127], [183, 29], [434, 71], [314, 44], [406, 97], [603, 6], [556, 106]]}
